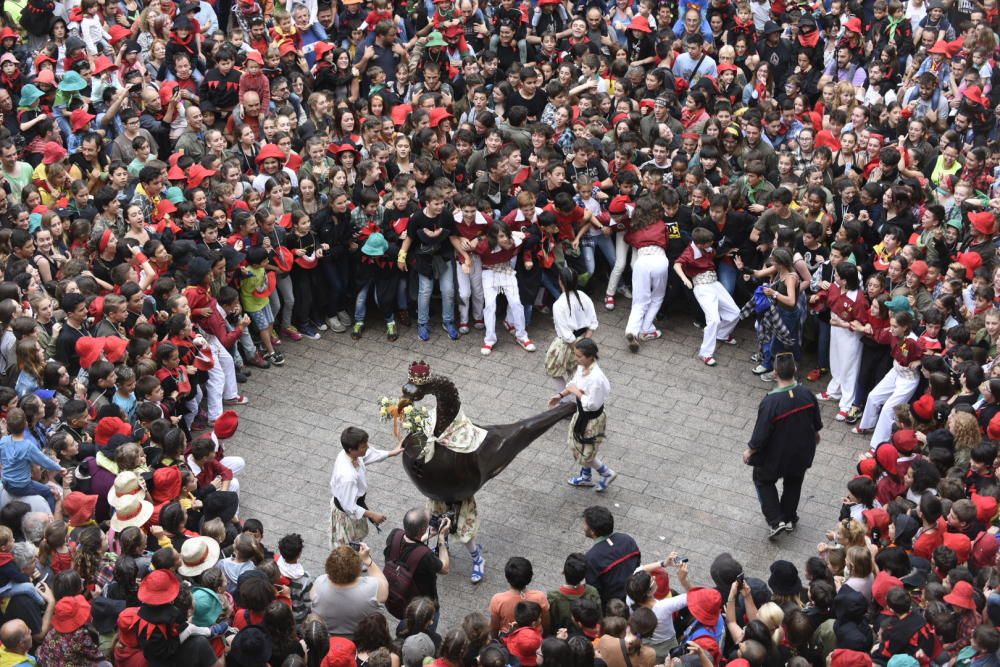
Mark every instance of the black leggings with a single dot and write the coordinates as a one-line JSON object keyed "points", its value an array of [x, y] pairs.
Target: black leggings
{"points": [[875, 363]]}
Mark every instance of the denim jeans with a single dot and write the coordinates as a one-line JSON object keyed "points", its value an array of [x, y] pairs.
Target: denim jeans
{"points": [[337, 278], [446, 281], [32, 488], [728, 274], [551, 284], [606, 244], [361, 304]]}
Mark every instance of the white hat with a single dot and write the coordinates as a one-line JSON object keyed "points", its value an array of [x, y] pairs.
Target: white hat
{"points": [[127, 483], [131, 511], [197, 555]]}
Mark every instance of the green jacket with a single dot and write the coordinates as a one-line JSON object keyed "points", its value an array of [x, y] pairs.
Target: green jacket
{"points": [[560, 615]]}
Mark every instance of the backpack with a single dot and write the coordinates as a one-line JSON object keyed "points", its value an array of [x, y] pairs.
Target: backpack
{"points": [[399, 574]]}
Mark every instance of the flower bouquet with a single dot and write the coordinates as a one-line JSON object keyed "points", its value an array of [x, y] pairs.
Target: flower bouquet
{"points": [[407, 419]]}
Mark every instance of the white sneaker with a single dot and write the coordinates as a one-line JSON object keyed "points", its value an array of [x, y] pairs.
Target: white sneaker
{"points": [[336, 326]]}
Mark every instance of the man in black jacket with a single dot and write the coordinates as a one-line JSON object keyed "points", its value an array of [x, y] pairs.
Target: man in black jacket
{"points": [[613, 557], [783, 445]]}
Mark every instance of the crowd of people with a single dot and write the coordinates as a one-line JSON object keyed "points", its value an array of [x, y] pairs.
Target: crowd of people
{"points": [[190, 189]]}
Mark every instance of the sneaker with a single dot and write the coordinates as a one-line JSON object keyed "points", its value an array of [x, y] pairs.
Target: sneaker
{"points": [[609, 303], [259, 361], [322, 326], [403, 317], [605, 482], [759, 369], [815, 374], [478, 324], [767, 377], [708, 361], [309, 332], [485, 350], [344, 318], [580, 480], [755, 357], [241, 377], [823, 396], [390, 332], [857, 430], [276, 358], [728, 341], [336, 326], [543, 309], [841, 416], [357, 330], [423, 332], [291, 333], [853, 415], [238, 400], [790, 526], [478, 566], [633, 343], [625, 291], [527, 345], [463, 328], [652, 335], [510, 328], [776, 530], [698, 325], [452, 331]]}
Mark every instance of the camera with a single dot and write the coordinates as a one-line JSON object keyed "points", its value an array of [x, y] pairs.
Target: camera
{"points": [[437, 518], [679, 651]]}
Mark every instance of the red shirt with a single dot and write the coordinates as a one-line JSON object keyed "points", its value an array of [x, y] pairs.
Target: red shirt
{"points": [[695, 261], [904, 350], [567, 221], [846, 308], [651, 235]]}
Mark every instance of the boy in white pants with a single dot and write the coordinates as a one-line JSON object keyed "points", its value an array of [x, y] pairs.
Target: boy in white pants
{"points": [[898, 384], [696, 269], [471, 225]]}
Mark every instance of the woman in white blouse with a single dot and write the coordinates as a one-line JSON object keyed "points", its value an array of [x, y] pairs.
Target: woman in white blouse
{"points": [[575, 318], [586, 430]]}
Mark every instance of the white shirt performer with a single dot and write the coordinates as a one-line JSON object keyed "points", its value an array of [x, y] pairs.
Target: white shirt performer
{"points": [[349, 513], [586, 430]]}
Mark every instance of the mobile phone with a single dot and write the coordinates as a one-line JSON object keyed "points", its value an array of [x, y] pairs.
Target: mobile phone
{"points": [[740, 579], [683, 560], [355, 545], [42, 580]]}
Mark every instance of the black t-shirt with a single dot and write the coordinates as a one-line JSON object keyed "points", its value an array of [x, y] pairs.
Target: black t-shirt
{"points": [[535, 106], [425, 577], [196, 651], [66, 347], [22, 607], [426, 248]]}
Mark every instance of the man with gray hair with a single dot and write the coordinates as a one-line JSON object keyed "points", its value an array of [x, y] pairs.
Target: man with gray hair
{"points": [[24, 608], [408, 545], [33, 526]]}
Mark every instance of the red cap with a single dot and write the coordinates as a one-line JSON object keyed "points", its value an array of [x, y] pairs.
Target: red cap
{"points": [[255, 56], [71, 614], [79, 507], [853, 25], [961, 596], [400, 113], [986, 507], [617, 205], [108, 427], [102, 64], [226, 425], [53, 152], [322, 48], [960, 544], [975, 95], [726, 67], [80, 119], [876, 519], [919, 267], [886, 455], [844, 657], [118, 33], [905, 440], [993, 428], [89, 350], [884, 583], [271, 151], [286, 47], [983, 222], [705, 604], [640, 23], [342, 653], [197, 175], [439, 114], [114, 348], [923, 408], [159, 587], [971, 261]]}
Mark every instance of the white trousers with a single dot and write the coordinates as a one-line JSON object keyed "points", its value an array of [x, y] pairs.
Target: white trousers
{"points": [[493, 286], [237, 465], [621, 258], [470, 291], [721, 315], [649, 286], [895, 389], [845, 357], [221, 378]]}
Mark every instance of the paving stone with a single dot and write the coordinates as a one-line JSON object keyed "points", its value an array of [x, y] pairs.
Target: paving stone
{"points": [[676, 432]]}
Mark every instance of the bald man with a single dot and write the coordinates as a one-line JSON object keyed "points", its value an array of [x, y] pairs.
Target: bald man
{"points": [[16, 639], [247, 112], [192, 140], [156, 119]]}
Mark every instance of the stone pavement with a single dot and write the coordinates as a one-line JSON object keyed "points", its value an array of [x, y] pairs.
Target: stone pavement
{"points": [[676, 430]]}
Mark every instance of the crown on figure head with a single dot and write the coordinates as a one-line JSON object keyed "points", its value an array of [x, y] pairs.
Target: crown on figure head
{"points": [[420, 372]]}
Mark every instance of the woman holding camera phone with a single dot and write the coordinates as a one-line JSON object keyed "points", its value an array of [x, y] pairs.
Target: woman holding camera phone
{"points": [[645, 588]]}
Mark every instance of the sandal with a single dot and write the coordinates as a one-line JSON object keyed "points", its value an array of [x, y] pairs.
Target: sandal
{"points": [[708, 361], [815, 374]]}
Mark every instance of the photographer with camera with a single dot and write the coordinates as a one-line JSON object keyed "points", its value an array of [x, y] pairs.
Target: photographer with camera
{"points": [[411, 566]]}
